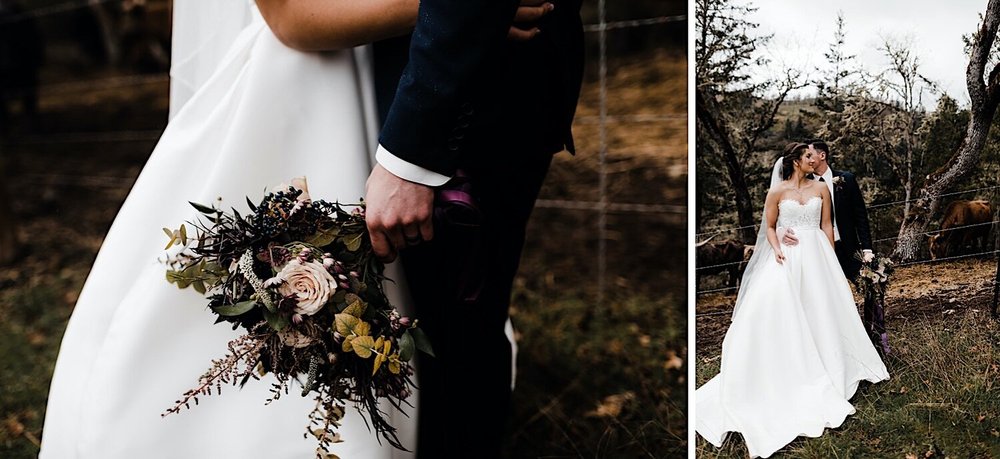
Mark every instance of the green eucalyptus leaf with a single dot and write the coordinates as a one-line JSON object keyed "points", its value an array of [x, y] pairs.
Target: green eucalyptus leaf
{"points": [[353, 242], [276, 321], [199, 286], [422, 341], [235, 309], [406, 346], [324, 238]]}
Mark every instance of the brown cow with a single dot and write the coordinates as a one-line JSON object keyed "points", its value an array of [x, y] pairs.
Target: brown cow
{"points": [[719, 257], [965, 225]]}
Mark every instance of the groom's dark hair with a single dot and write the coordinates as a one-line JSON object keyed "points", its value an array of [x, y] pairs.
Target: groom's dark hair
{"points": [[821, 146]]}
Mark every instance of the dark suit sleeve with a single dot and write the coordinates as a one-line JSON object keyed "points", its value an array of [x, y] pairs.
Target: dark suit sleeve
{"points": [[452, 41], [860, 211]]}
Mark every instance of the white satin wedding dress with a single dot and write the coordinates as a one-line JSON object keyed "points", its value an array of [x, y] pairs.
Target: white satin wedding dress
{"points": [[796, 349], [134, 342]]}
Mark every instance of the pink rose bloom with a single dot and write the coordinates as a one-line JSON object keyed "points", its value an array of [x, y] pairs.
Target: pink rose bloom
{"points": [[310, 283]]}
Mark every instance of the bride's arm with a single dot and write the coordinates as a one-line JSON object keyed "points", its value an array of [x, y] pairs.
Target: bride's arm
{"points": [[315, 25], [827, 219], [323, 25], [771, 213]]}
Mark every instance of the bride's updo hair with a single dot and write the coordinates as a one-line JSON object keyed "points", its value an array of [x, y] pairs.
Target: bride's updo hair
{"points": [[792, 153]]}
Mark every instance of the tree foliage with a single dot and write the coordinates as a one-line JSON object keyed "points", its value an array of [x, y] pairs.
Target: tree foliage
{"points": [[877, 122], [734, 105]]}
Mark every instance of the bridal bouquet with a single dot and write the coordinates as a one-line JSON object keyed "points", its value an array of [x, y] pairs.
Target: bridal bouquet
{"points": [[873, 280], [874, 275], [300, 278]]}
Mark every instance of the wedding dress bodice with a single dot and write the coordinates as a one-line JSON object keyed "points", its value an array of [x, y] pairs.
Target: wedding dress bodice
{"points": [[793, 214]]}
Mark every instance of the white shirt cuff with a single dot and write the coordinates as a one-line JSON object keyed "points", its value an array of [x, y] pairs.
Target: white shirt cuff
{"points": [[408, 171]]}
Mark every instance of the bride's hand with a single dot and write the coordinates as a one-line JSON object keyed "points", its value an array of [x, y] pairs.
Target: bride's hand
{"points": [[779, 256], [528, 12]]}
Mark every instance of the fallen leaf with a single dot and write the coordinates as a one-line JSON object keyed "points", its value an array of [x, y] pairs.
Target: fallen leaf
{"points": [[616, 347], [673, 361], [13, 426], [612, 405]]}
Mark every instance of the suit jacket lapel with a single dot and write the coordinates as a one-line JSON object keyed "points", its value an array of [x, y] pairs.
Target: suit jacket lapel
{"points": [[838, 198]]}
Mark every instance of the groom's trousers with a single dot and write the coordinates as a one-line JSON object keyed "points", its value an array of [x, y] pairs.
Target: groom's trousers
{"points": [[851, 266], [465, 390]]}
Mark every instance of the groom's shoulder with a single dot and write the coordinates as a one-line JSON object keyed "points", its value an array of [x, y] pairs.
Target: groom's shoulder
{"points": [[847, 175]]}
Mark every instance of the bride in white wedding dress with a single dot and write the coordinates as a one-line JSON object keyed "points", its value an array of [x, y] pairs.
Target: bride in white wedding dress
{"points": [[796, 349], [259, 114]]}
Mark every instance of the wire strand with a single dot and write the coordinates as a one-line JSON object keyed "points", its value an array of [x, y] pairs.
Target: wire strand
{"points": [[633, 23]]}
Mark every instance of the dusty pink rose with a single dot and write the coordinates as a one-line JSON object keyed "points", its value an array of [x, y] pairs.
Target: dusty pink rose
{"points": [[310, 283]]}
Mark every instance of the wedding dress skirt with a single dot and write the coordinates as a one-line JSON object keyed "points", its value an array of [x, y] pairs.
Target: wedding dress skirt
{"points": [[796, 349], [135, 343]]}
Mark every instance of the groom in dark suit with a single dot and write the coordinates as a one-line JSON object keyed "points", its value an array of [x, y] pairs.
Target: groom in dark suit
{"points": [[850, 228], [460, 101]]}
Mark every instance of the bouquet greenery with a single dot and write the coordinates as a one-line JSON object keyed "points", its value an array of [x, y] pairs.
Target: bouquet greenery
{"points": [[300, 278]]}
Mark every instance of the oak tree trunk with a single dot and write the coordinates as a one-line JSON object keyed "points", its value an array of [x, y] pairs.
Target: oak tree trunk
{"points": [[985, 96]]}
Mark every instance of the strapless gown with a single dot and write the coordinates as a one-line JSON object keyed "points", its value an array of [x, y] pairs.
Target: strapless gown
{"points": [[796, 349]]}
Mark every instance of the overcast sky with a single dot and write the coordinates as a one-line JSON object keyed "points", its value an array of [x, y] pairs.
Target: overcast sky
{"points": [[804, 29]]}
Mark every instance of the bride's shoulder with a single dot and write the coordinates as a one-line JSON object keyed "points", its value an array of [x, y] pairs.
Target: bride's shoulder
{"points": [[776, 191], [820, 187]]}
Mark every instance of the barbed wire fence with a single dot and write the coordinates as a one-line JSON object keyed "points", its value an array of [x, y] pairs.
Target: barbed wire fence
{"points": [[603, 205], [994, 226]]}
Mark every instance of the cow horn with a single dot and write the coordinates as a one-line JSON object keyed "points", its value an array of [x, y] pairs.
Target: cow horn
{"points": [[699, 244]]}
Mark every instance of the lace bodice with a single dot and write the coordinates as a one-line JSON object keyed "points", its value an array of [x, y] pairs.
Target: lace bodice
{"points": [[793, 214]]}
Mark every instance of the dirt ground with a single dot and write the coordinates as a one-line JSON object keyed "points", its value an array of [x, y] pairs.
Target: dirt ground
{"points": [[919, 292]]}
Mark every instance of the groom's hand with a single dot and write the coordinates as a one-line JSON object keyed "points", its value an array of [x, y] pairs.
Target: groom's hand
{"points": [[789, 238], [398, 213]]}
